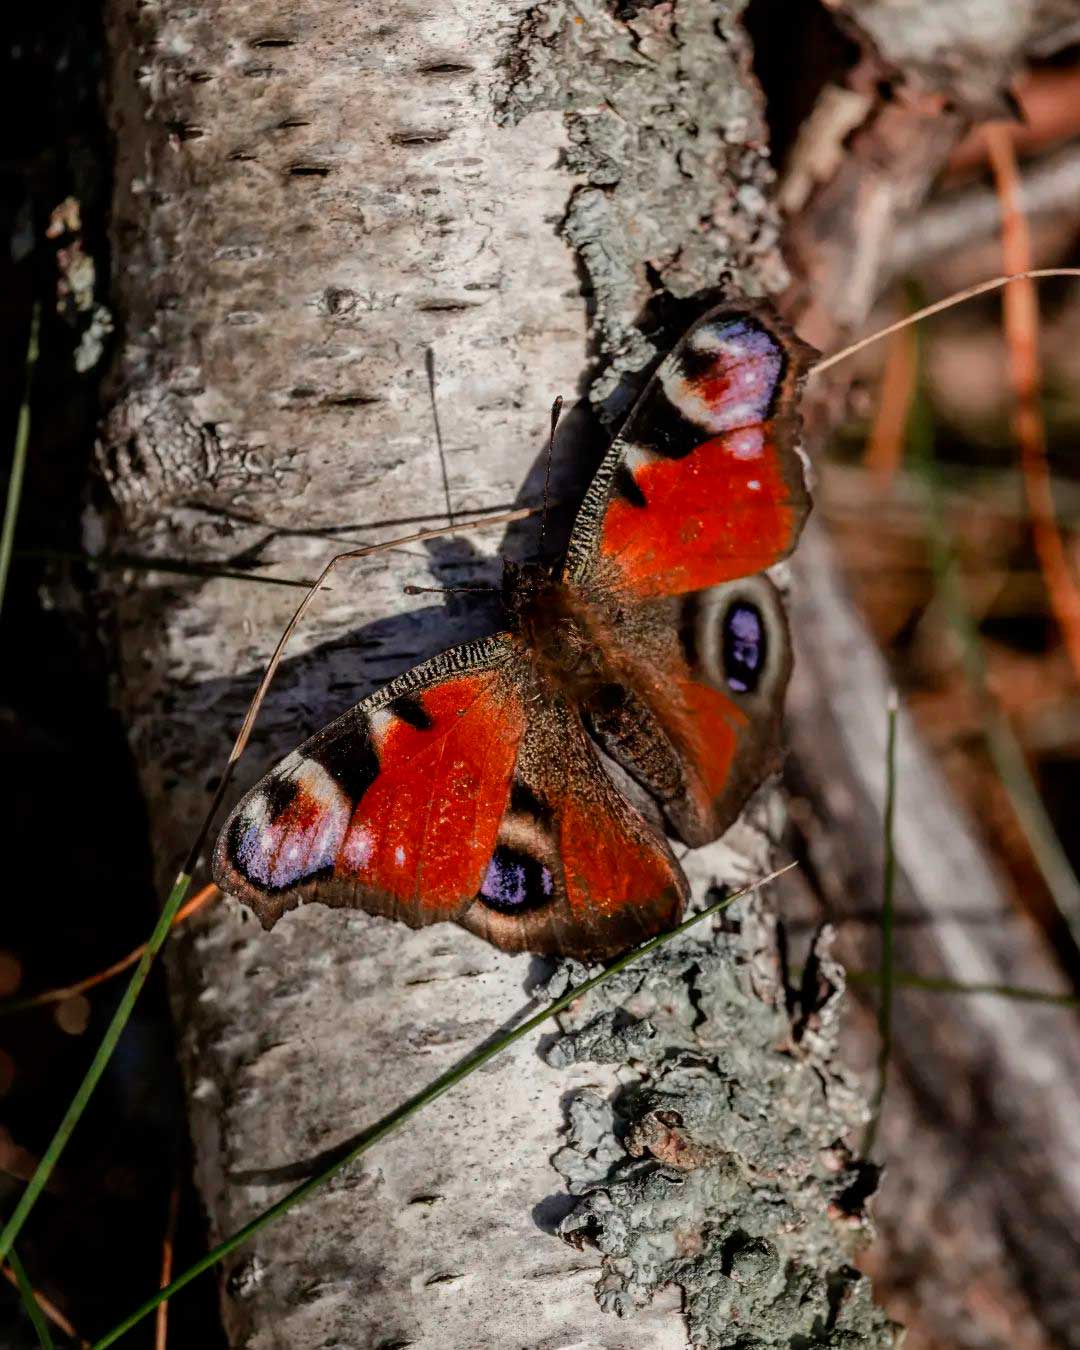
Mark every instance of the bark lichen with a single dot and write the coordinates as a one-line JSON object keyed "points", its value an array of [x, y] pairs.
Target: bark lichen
{"points": [[720, 1165], [668, 142]]}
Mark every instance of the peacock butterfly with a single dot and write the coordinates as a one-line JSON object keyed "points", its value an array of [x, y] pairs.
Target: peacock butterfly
{"points": [[471, 788]]}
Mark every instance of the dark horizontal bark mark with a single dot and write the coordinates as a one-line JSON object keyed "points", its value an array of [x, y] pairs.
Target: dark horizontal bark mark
{"points": [[304, 393], [274, 42], [303, 170], [444, 306], [419, 137], [444, 68]]}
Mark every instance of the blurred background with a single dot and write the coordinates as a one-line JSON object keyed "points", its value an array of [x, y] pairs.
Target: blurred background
{"points": [[955, 518]]}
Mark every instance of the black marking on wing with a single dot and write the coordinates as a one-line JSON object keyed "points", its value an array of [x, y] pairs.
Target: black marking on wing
{"points": [[671, 434], [279, 793], [232, 849], [627, 487], [349, 759], [525, 802], [409, 709], [687, 630]]}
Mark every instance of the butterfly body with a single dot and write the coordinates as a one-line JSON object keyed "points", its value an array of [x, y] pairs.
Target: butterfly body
{"points": [[480, 787]]}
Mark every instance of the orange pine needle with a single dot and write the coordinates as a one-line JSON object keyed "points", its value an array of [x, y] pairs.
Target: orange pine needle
{"points": [[885, 445], [51, 1311], [1021, 322], [70, 990], [161, 1325]]}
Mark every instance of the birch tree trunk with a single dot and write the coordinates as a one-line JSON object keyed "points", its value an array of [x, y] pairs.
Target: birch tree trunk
{"points": [[308, 202]]}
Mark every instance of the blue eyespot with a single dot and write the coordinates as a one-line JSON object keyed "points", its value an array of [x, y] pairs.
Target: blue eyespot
{"points": [[515, 882], [744, 647]]}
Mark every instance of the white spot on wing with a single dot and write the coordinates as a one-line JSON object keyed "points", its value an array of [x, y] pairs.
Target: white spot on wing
{"points": [[380, 723], [356, 851], [399, 856], [745, 444]]}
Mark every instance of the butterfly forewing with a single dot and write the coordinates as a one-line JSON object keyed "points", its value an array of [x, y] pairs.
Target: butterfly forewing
{"points": [[394, 807], [703, 488], [705, 482]]}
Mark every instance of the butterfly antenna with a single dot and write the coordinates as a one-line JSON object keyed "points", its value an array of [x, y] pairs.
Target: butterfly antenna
{"points": [[429, 365], [556, 409]]}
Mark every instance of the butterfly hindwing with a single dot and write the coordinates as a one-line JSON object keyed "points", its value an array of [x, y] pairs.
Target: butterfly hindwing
{"points": [[705, 482], [695, 716], [576, 869]]}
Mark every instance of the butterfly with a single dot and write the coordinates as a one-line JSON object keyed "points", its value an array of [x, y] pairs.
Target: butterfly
{"points": [[523, 785]]}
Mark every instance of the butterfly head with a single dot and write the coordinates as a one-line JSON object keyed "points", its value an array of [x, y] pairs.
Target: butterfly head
{"points": [[526, 586]]}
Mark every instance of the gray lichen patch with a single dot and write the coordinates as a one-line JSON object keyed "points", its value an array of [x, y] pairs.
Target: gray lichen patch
{"points": [[720, 1166], [668, 139]]}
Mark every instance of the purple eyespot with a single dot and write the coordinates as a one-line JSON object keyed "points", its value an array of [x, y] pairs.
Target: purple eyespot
{"points": [[744, 647], [515, 882]]}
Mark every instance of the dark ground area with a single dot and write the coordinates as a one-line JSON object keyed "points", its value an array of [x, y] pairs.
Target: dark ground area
{"points": [[78, 890]]}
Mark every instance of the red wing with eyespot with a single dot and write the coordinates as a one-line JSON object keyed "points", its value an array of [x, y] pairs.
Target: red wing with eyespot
{"points": [[451, 795], [696, 717], [704, 484], [394, 807], [577, 870]]}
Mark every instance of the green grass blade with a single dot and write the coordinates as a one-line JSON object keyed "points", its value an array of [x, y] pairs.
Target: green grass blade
{"points": [[18, 458], [888, 889], [933, 984], [30, 1303], [97, 1067], [396, 1118]]}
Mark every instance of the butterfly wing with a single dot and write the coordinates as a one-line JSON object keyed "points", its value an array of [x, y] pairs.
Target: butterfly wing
{"points": [[394, 807], [576, 870], [702, 489], [694, 716], [704, 484], [456, 792]]}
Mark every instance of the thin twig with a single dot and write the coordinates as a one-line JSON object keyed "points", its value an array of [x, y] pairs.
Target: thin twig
{"points": [[932, 984], [1020, 313], [396, 1118], [888, 888], [936, 308], [429, 366], [161, 1322], [18, 458], [135, 563]]}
